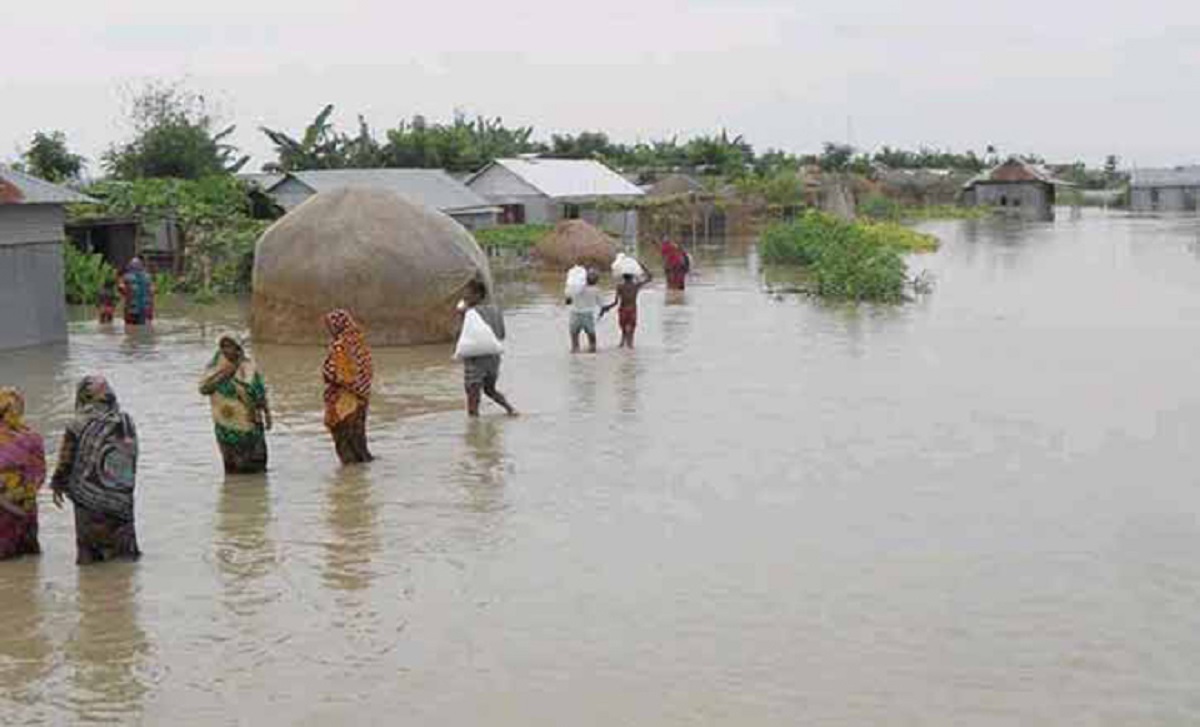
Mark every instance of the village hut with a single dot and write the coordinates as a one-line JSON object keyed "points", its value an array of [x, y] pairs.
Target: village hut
{"points": [[1165, 190], [575, 242], [397, 265], [1015, 188]]}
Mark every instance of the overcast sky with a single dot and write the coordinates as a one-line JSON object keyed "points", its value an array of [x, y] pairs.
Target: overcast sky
{"points": [[1026, 75]]}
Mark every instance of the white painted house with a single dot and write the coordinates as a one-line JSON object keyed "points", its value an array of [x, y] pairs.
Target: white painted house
{"points": [[534, 190], [32, 300]]}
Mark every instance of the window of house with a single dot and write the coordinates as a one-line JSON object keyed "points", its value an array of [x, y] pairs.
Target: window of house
{"points": [[512, 214], [570, 212]]}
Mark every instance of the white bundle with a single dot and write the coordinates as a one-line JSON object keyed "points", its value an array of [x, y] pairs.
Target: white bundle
{"points": [[477, 338], [626, 265], [576, 281]]}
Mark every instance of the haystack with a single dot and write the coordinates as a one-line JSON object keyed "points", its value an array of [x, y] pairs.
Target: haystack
{"points": [[576, 242], [397, 265]]}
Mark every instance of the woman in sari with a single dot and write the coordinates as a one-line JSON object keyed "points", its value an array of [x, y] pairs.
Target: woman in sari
{"points": [[675, 264], [22, 471], [239, 407], [97, 470], [138, 291], [348, 373]]}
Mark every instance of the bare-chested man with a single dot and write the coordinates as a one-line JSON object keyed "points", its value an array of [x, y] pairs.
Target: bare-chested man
{"points": [[626, 298]]}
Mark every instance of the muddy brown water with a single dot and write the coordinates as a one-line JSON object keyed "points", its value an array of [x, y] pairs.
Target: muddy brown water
{"points": [[978, 508]]}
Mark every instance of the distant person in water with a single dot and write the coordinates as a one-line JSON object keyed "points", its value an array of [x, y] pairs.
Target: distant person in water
{"points": [[584, 306], [138, 291], [676, 264], [348, 373], [627, 300], [97, 470], [482, 373], [240, 414], [107, 300]]}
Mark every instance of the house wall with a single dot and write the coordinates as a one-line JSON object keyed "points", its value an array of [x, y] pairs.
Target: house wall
{"points": [[1164, 199], [1025, 199], [475, 220], [31, 275], [501, 187]]}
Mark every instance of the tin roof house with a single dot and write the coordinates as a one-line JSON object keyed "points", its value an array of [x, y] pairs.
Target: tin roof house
{"points": [[535, 190], [31, 259], [1165, 190], [1015, 188], [430, 187]]}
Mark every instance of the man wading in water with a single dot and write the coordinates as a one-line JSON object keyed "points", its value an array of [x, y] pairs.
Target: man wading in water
{"points": [[627, 297], [480, 373]]}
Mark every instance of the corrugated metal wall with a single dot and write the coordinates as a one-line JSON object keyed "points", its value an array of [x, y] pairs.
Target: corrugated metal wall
{"points": [[32, 300]]}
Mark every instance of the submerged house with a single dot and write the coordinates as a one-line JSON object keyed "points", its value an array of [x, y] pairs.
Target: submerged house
{"points": [[534, 190], [1015, 187], [31, 259], [431, 187], [1165, 190]]}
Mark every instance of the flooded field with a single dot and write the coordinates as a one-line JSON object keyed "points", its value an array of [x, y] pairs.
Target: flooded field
{"points": [[979, 508]]}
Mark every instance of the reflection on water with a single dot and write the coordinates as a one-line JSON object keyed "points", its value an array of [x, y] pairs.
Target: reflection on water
{"points": [[107, 649], [976, 509]]}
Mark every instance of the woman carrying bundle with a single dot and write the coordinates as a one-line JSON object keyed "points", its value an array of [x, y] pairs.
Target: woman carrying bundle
{"points": [[22, 471], [97, 470], [240, 413], [348, 372]]}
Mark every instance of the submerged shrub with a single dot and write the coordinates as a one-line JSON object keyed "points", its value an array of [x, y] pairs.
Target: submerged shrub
{"points": [[846, 260]]}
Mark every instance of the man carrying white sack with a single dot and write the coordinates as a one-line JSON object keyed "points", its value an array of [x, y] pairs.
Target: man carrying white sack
{"points": [[479, 347], [585, 304]]}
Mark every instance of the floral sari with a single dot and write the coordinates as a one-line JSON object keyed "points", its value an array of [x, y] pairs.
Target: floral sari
{"points": [[97, 470], [22, 471], [348, 373], [239, 401]]}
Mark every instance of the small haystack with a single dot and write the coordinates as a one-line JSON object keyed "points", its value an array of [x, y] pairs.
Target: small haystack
{"points": [[397, 265], [576, 242]]}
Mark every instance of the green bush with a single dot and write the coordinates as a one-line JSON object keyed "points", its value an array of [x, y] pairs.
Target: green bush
{"points": [[847, 261], [84, 275], [878, 207], [520, 238]]}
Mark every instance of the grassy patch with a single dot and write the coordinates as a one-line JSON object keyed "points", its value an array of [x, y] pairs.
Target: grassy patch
{"points": [[519, 238]]}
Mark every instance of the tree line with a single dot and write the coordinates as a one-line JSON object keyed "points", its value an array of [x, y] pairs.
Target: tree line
{"points": [[177, 135]]}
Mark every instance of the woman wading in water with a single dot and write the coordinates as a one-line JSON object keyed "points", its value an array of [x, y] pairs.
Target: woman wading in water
{"points": [[240, 413], [97, 470], [348, 373], [22, 472]]}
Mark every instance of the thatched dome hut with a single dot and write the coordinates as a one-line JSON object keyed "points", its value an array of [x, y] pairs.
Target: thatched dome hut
{"points": [[576, 242], [398, 266]]}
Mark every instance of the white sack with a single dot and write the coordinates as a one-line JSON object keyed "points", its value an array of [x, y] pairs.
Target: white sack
{"points": [[477, 338]]}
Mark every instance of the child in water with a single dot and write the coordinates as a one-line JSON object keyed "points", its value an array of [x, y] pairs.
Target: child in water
{"points": [[626, 298], [481, 373], [107, 301]]}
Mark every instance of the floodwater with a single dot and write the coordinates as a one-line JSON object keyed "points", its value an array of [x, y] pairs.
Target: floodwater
{"points": [[978, 508]]}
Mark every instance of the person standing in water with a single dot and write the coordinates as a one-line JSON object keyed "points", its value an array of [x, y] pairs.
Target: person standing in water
{"points": [[138, 291], [482, 373], [97, 470], [676, 265], [240, 413], [584, 306], [627, 298], [107, 300], [22, 472], [348, 373]]}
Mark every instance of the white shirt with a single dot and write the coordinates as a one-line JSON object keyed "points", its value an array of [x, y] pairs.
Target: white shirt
{"points": [[586, 301]]}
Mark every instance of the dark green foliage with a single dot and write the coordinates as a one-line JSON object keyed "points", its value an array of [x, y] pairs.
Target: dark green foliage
{"points": [[175, 136], [49, 158], [520, 238], [84, 275], [845, 261]]}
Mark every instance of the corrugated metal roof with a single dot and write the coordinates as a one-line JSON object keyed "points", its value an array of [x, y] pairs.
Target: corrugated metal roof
{"points": [[1015, 170], [571, 178], [431, 187], [1176, 177], [20, 188], [262, 180]]}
